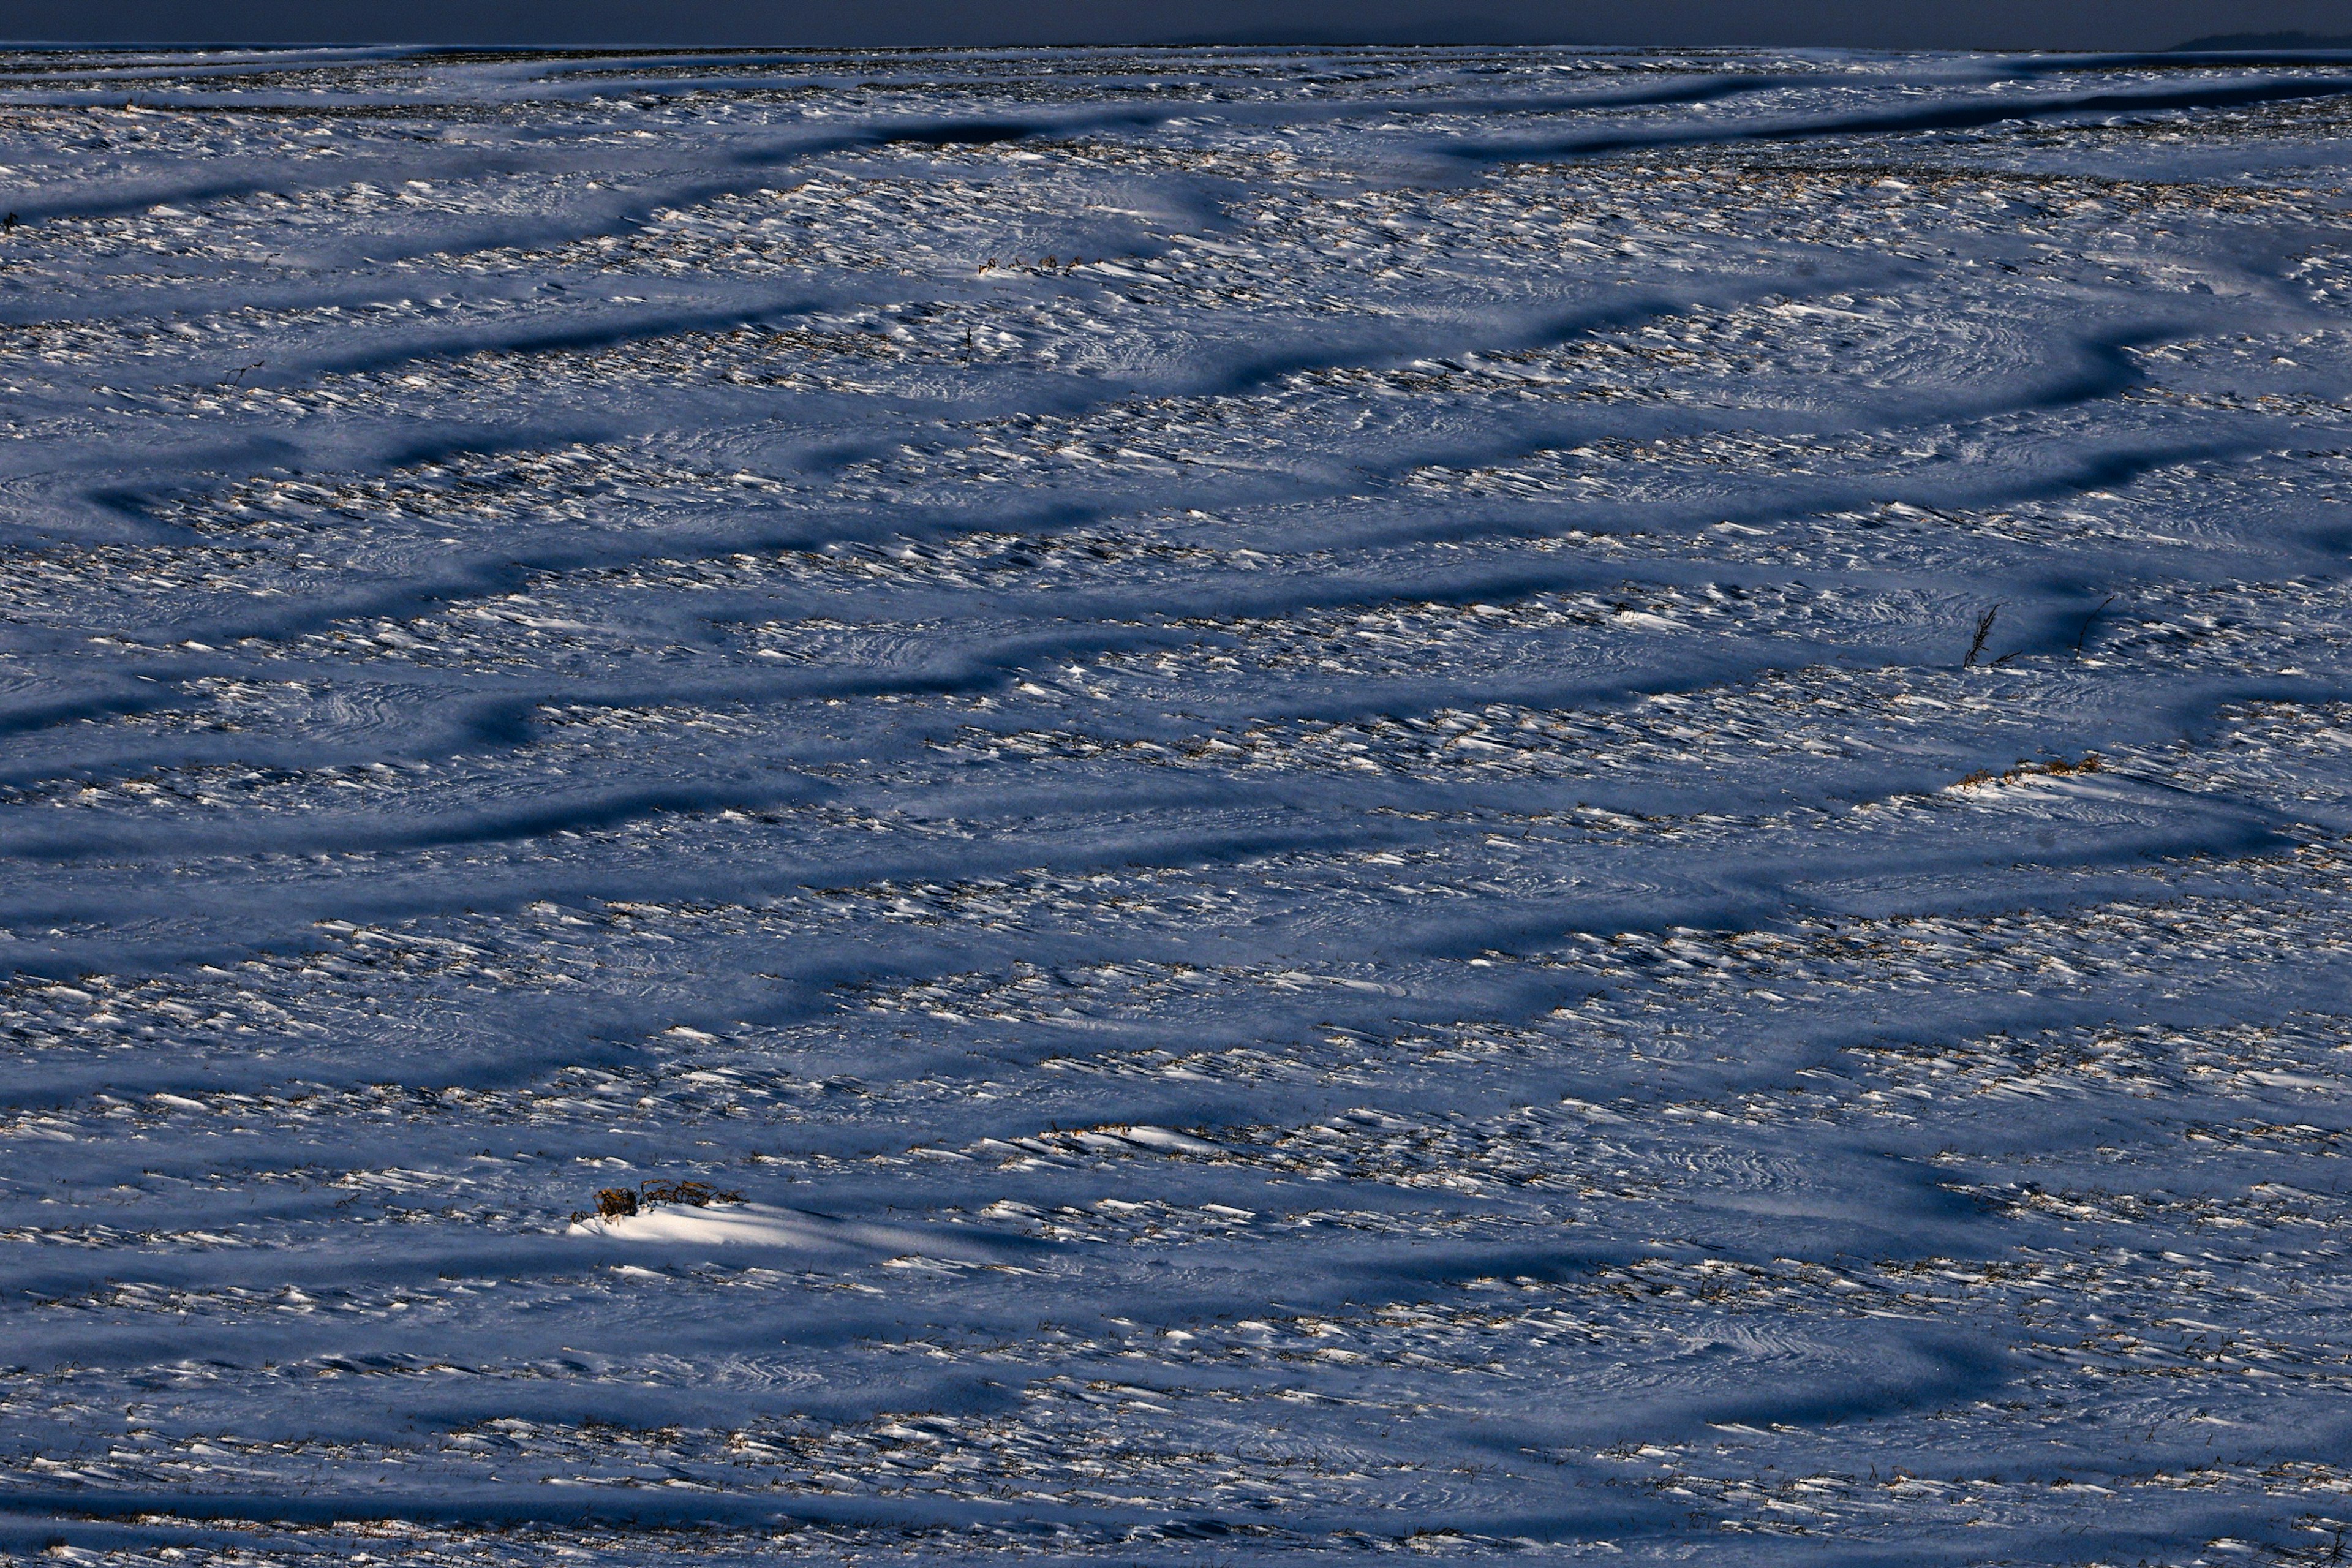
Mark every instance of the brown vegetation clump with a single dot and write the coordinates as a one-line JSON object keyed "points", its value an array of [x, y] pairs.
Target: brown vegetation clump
{"points": [[619, 1202], [2025, 770]]}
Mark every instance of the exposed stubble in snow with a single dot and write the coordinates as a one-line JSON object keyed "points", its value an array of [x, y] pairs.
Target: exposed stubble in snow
{"points": [[1279, 749]]}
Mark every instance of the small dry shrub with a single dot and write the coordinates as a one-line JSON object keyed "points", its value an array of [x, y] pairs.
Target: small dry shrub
{"points": [[619, 1202], [612, 1202], [699, 1195]]}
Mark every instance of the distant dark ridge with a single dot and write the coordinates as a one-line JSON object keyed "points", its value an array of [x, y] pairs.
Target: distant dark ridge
{"points": [[2225, 43], [1436, 32]]}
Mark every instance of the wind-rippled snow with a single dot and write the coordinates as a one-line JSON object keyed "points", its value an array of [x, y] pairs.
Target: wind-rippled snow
{"points": [[1280, 750]]}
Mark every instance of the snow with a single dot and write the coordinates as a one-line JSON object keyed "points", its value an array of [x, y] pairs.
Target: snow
{"points": [[1279, 749], [696, 1226]]}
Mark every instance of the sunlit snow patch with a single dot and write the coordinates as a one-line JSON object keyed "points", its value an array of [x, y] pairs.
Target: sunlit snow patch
{"points": [[1162, 1139], [765, 1224]]}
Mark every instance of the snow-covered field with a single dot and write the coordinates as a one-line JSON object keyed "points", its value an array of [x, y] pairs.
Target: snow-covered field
{"points": [[1482, 804]]}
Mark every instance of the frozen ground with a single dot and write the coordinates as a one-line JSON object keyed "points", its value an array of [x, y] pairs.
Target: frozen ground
{"points": [[1278, 750]]}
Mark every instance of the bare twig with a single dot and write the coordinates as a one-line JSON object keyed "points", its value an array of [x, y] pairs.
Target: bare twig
{"points": [[2090, 620], [1984, 630]]}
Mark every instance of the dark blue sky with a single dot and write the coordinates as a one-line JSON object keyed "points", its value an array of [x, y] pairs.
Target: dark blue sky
{"points": [[2008, 24]]}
